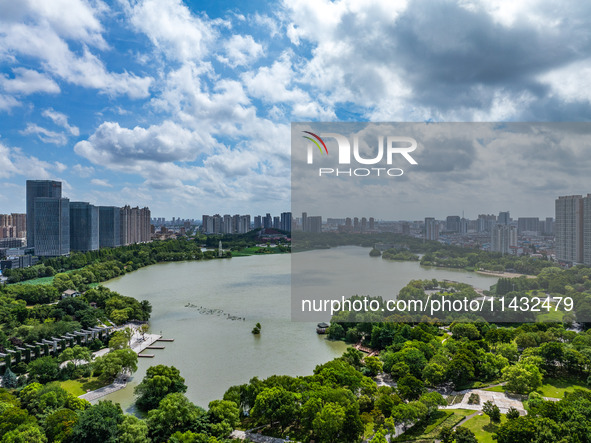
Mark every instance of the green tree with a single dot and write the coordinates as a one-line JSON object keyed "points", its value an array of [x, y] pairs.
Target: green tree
{"points": [[132, 430], [512, 413], [522, 378], [275, 405], [30, 433], [98, 424], [158, 382], [492, 410], [464, 435], [329, 422], [174, 413], [373, 365], [446, 435], [115, 363], [44, 369], [410, 388], [9, 379], [58, 425], [224, 416], [120, 339]]}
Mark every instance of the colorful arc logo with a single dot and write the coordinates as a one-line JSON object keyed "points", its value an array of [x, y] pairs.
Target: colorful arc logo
{"points": [[316, 142]]}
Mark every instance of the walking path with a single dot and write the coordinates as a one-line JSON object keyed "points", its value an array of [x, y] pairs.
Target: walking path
{"points": [[501, 399], [138, 344]]}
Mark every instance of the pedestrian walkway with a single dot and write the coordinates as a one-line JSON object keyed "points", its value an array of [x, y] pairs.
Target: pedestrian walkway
{"points": [[139, 342], [501, 399]]}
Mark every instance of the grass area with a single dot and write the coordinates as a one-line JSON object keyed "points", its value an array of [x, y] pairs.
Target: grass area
{"points": [[483, 428], [495, 389], [81, 385], [254, 250], [430, 430], [42, 280], [556, 388], [38, 281], [550, 316]]}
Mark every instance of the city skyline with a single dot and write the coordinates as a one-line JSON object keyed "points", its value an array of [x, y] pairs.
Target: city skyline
{"points": [[185, 106]]}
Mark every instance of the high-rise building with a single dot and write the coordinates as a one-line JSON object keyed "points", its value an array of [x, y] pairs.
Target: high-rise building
{"points": [[587, 229], [258, 223], [285, 221], [109, 227], [528, 224], [84, 227], [371, 223], [503, 239], [35, 189], [549, 226], [268, 221], [431, 229], [568, 228], [504, 218], [227, 224], [135, 226], [453, 223], [486, 222], [315, 223], [305, 221], [244, 224], [51, 226], [204, 223]]}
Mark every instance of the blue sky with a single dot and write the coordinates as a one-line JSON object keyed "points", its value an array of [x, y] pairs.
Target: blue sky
{"points": [[186, 106]]}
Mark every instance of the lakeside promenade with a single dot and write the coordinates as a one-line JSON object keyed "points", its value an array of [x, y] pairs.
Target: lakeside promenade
{"points": [[138, 344]]}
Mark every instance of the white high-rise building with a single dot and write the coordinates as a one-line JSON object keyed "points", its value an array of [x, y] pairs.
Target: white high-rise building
{"points": [[503, 238], [431, 229], [568, 228]]}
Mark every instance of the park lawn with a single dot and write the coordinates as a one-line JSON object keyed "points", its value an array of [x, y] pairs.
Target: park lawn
{"points": [[556, 388], [550, 316], [81, 385], [495, 389], [429, 431], [483, 428], [37, 281]]}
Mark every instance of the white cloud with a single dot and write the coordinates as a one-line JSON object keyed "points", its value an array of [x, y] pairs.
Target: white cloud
{"points": [[28, 81], [83, 171], [120, 148], [61, 120], [45, 135], [14, 162], [100, 182], [171, 28], [7, 102], [60, 167], [241, 51], [41, 30]]}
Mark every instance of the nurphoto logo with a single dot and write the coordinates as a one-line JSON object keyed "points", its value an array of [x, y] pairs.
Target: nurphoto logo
{"points": [[393, 145]]}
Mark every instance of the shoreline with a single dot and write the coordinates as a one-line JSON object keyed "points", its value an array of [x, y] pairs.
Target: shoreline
{"points": [[138, 345], [504, 274]]}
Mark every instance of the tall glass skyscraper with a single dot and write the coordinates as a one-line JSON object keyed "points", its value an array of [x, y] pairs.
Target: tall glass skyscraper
{"points": [[35, 189], [84, 227], [109, 226], [51, 226]]}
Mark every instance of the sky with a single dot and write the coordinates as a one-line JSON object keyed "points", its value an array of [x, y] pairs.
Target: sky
{"points": [[186, 106]]}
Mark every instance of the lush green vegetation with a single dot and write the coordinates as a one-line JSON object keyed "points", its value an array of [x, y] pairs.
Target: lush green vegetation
{"points": [[482, 428]]}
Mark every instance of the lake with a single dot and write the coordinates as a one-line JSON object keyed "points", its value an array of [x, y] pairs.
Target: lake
{"points": [[214, 352]]}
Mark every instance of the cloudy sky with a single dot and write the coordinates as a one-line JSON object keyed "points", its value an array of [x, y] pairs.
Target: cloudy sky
{"points": [[185, 106]]}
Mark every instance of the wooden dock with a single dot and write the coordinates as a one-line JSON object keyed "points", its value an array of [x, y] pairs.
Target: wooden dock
{"points": [[146, 355], [154, 347], [165, 339]]}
